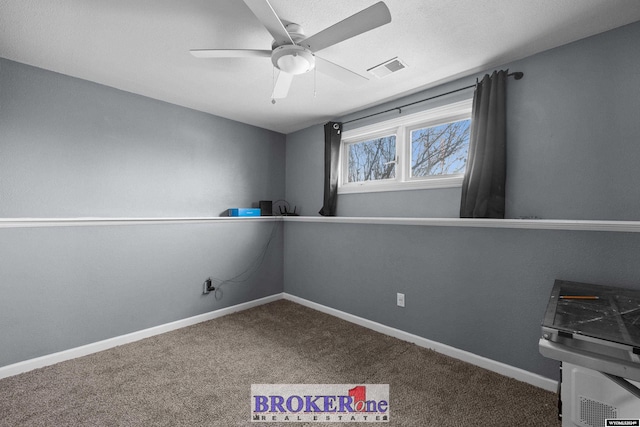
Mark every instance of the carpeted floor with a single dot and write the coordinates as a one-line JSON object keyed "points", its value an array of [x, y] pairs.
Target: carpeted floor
{"points": [[202, 375]]}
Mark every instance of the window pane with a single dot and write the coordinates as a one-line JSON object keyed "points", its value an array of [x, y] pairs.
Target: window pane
{"points": [[373, 159], [440, 150]]}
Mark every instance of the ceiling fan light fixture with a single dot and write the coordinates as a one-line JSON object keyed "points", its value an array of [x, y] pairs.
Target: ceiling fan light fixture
{"points": [[293, 59], [293, 53]]}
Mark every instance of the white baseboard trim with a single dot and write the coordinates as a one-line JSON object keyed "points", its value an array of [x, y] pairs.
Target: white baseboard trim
{"points": [[465, 356], [50, 359], [483, 362]]}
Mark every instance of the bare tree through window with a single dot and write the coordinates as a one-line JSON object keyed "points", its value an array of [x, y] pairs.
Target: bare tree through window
{"points": [[440, 150], [422, 150], [373, 159]]}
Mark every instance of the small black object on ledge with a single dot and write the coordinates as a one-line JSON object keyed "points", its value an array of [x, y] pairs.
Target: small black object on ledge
{"points": [[287, 212]]}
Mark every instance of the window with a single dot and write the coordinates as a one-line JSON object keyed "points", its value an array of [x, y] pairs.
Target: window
{"points": [[422, 150], [372, 160]]}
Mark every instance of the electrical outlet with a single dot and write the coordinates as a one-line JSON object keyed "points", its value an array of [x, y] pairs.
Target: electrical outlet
{"points": [[400, 300], [206, 286]]}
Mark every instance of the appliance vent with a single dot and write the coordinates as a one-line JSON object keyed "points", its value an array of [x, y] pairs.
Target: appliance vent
{"points": [[593, 413], [387, 67]]}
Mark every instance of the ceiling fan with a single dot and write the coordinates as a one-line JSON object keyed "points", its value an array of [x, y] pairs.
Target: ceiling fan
{"points": [[292, 53]]}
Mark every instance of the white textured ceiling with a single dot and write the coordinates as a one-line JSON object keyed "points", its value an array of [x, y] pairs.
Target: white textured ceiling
{"points": [[142, 46]]}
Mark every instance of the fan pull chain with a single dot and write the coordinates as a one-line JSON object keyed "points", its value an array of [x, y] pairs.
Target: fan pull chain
{"points": [[273, 84], [315, 73]]}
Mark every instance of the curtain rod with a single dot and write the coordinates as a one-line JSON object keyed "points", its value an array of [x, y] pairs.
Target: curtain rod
{"points": [[516, 75]]}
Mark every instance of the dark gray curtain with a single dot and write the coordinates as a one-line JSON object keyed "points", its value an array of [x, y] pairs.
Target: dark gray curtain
{"points": [[332, 137], [485, 175]]}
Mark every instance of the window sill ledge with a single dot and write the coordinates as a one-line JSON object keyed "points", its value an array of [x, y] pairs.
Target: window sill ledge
{"points": [[533, 224], [427, 184], [92, 222]]}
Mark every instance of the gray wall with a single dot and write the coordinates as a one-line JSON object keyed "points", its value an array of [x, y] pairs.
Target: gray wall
{"points": [[65, 287], [573, 153], [72, 148], [480, 290]]}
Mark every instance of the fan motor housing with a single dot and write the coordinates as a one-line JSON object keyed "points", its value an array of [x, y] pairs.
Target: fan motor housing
{"points": [[293, 59]]}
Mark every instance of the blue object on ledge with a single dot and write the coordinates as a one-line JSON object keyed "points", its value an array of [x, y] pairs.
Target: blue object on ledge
{"points": [[244, 212]]}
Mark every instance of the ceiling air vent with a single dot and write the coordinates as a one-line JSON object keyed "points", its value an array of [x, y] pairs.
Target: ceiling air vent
{"points": [[387, 67]]}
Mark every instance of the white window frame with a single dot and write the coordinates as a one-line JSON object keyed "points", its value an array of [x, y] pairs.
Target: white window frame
{"points": [[401, 127]]}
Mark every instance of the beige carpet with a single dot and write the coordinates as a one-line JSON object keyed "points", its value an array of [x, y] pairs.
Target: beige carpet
{"points": [[202, 376]]}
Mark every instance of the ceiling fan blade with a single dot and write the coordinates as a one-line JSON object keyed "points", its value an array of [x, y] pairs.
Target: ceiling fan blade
{"points": [[230, 53], [339, 73], [265, 13], [282, 85], [363, 21]]}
